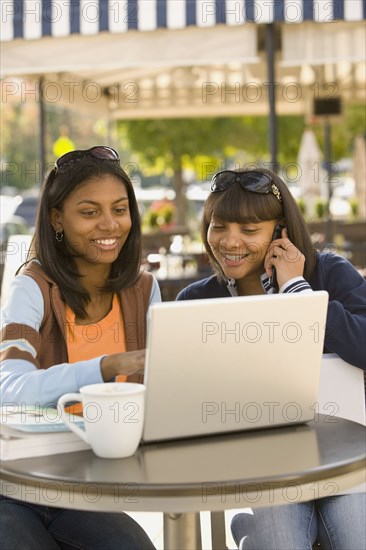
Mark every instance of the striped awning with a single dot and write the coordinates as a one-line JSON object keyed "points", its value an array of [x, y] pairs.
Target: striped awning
{"points": [[165, 58], [34, 19]]}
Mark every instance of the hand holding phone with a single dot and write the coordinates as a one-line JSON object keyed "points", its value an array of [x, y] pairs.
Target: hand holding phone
{"points": [[277, 233]]}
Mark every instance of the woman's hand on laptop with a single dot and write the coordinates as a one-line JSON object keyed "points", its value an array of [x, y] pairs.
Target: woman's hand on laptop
{"points": [[126, 363]]}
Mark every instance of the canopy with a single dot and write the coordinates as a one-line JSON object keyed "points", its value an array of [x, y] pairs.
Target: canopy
{"points": [[164, 58], [32, 19]]}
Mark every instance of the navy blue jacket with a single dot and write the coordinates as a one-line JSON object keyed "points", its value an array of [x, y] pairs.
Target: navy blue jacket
{"points": [[345, 332]]}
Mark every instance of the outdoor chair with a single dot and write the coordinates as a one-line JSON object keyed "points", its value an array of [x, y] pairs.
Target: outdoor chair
{"points": [[15, 255]]}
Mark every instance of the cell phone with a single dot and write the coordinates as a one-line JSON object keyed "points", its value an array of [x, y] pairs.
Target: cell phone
{"points": [[277, 233]]}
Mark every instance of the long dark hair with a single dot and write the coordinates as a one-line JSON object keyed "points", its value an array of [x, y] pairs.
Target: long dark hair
{"points": [[239, 206], [55, 256]]}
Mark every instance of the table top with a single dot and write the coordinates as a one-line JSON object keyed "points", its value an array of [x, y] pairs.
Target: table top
{"points": [[256, 468]]}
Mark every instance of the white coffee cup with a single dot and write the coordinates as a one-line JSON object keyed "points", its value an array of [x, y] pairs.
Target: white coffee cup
{"points": [[113, 417]]}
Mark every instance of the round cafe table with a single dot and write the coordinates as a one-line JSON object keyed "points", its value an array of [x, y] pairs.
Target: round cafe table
{"points": [[180, 478]]}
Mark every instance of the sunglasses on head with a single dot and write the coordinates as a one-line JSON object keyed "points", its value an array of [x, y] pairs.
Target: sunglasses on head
{"points": [[253, 181], [99, 152]]}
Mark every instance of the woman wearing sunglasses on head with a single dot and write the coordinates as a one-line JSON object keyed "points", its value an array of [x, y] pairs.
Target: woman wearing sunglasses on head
{"points": [[76, 315], [258, 243]]}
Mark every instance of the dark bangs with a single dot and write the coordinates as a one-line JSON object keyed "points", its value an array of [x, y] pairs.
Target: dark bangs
{"points": [[236, 205]]}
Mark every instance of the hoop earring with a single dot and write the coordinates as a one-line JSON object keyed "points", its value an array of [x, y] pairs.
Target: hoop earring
{"points": [[59, 235]]}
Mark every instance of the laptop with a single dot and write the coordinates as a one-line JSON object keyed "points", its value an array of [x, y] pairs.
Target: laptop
{"points": [[231, 364]]}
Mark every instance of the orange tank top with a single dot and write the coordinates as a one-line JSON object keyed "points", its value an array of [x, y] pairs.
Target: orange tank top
{"points": [[102, 338], [105, 337]]}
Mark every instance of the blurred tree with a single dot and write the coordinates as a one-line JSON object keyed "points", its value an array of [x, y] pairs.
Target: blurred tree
{"points": [[19, 167], [344, 130], [290, 130], [172, 142], [204, 143]]}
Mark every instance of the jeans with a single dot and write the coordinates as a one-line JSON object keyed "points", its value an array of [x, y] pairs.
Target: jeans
{"points": [[337, 522], [26, 526]]}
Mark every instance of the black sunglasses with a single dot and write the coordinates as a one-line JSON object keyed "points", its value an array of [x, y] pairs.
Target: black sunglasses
{"points": [[99, 151], [253, 181]]}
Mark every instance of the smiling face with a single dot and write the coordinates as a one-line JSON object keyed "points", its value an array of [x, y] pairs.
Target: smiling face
{"points": [[238, 248], [96, 221], [237, 227]]}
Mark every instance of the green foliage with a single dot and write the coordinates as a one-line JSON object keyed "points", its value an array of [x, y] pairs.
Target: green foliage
{"points": [[290, 130], [302, 205], [20, 169], [167, 213], [150, 219], [20, 138], [204, 143], [321, 208], [355, 207], [344, 130], [175, 139], [158, 215]]}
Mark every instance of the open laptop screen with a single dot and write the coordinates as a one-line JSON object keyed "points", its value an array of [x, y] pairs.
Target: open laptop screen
{"points": [[227, 364]]}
